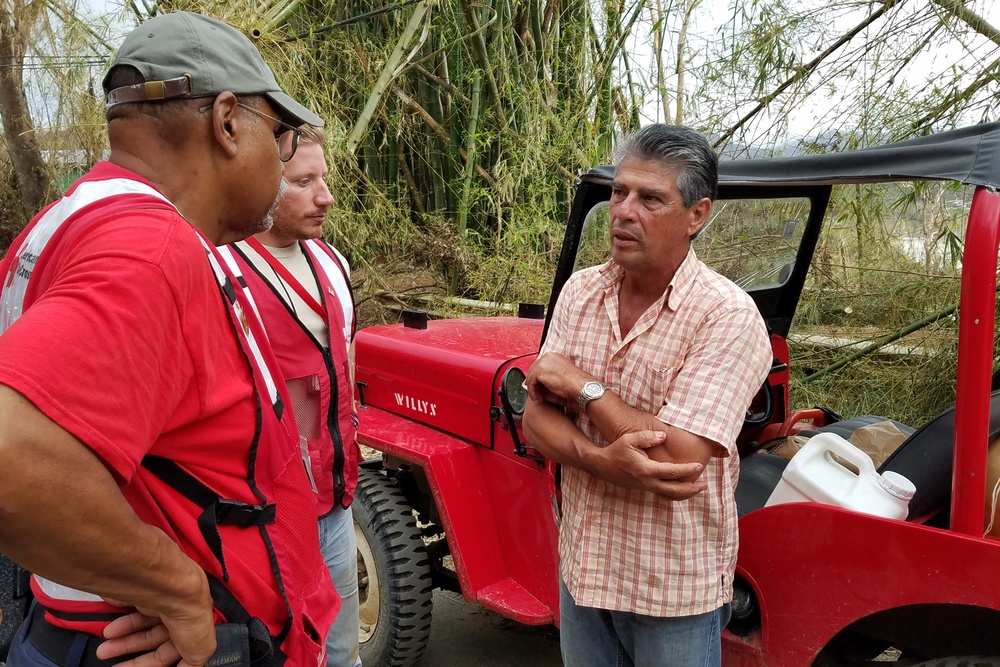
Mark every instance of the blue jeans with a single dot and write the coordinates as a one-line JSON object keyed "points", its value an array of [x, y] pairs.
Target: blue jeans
{"points": [[23, 653], [591, 637], [340, 551]]}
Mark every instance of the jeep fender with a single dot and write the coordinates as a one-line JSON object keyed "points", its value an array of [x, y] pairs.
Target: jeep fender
{"points": [[501, 526]]}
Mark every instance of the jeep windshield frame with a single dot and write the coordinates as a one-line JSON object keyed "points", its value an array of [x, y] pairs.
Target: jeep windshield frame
{"points": [[970, 156]]}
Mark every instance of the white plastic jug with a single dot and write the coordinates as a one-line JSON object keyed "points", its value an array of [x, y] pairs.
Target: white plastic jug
{"points": [[813, 475]]}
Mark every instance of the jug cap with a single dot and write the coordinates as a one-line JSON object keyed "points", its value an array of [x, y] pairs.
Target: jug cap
{"points": [[897, 485]]}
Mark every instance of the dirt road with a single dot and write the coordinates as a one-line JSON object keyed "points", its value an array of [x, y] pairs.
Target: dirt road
{"points": [[466, 635]]}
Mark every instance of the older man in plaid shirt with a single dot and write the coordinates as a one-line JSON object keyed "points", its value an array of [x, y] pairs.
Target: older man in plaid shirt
{"points": [[640, 392]]}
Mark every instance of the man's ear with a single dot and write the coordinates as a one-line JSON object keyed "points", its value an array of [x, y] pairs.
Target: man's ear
{"points": [[699, 215], [227, 122]]}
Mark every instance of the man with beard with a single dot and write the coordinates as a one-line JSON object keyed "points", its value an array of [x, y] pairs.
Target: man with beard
{"points": [[152, 477], [301, 286], [649, 365]]}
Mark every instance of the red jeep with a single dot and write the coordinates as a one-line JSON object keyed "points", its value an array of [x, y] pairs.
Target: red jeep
{"points": [[460, 501]]}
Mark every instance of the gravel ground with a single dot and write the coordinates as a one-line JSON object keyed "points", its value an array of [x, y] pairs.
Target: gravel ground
{"points": [[463, 633]]}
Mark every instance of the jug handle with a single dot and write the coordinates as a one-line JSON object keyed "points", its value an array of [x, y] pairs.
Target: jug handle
{"points": [[834, 444]]}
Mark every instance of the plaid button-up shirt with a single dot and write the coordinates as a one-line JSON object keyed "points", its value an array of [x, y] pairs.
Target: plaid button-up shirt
{"points": [[694, 359]]}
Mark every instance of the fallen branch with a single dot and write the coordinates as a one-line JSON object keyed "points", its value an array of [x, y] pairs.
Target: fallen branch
{"points": [[881, 342]]}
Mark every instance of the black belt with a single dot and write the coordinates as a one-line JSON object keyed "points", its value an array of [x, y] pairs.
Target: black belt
{"points": [[56, 644]]}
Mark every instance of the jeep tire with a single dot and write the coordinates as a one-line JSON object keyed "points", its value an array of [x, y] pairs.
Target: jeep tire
{"points": [[394, 579]]}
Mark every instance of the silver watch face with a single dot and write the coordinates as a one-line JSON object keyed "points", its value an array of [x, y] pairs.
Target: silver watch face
{"points": [[592, 390]]}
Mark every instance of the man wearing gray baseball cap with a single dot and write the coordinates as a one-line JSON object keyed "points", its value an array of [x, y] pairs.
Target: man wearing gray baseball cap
{"points": [[153, 479]]}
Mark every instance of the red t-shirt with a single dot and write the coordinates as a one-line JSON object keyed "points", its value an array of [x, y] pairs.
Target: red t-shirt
{"points": [[131, 349]]}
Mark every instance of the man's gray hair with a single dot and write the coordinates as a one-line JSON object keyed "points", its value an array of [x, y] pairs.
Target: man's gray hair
{"points": [[677, 147]]}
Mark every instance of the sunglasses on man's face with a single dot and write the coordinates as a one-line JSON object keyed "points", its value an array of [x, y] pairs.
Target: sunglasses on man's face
{"points": [[286, 136]]}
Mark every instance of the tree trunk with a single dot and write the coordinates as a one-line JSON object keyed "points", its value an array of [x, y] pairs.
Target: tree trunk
{"points": [[22, 144]]}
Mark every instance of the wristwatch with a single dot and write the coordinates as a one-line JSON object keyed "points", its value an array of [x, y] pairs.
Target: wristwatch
{"points": [[591, 391]]}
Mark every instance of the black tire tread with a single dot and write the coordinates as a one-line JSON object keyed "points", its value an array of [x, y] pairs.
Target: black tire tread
{"points": [[400, 549]]}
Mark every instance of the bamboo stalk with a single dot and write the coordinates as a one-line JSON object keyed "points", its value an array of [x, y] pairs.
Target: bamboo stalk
{"points": [[443, 83], [447, 91], [392, 152], [550, 22], [479, 49], [881, 342], [389, 72], [135, 10], [451, 301], [552, 27], [509, 131], [681, 62], [986, 77], [441, 132], [603, 119], [279, 12], [628, 114], [410, 183], [535, 23], [610, 54], [371, 159], [470, 163], [437, 147], [398, 307], [510, 55], [958, 9], [70, 18], [659, 21], [452, 119]]}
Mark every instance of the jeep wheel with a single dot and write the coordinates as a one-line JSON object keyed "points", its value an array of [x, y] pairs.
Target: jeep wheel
{"points": [[394, 579]]}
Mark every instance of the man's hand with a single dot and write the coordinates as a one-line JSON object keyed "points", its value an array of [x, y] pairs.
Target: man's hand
{"points": [[555, 379], [187, 636], [625, 463], [60, 503]]}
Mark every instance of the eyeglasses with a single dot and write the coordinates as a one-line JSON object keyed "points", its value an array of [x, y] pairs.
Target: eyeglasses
{"points": [[286, 136]]}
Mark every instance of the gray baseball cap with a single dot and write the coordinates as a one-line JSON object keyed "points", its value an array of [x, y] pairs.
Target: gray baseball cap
{"points": [[183, 54]]}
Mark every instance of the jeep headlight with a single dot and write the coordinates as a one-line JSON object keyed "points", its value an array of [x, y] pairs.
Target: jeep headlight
{"points": [[513, 392]]}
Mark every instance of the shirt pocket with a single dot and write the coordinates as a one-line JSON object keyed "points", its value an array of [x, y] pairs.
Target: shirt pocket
{"points": [[647, 386]]}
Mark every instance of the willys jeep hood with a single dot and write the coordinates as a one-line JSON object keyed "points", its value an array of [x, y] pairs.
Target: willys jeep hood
{"points": [[443, 375]]}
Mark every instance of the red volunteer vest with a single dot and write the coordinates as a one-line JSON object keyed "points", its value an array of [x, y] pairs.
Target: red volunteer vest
{"points": [[275, 472], [319, 379]]}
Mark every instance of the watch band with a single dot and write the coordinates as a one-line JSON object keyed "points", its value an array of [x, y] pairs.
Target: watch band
{"points": [[591, 391]]}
